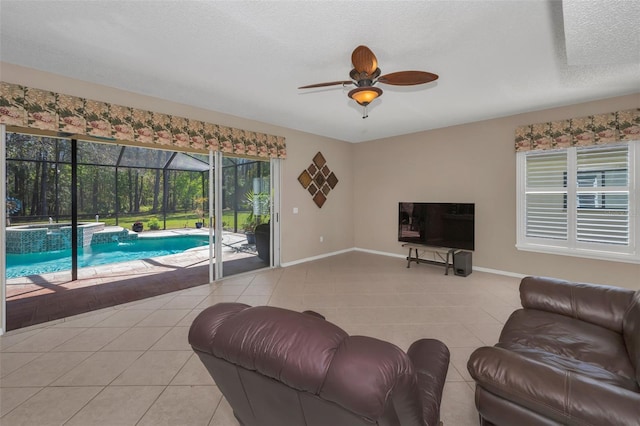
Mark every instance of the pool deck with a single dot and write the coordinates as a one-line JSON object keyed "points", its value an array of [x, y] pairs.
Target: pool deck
{"points": [[40, 298]]}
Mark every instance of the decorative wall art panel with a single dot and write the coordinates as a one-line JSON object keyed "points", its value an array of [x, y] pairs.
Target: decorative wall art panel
{"points": [[332, 180], [319, 199], [318, 179], [31, 108], [305, 179], [319, 160]]}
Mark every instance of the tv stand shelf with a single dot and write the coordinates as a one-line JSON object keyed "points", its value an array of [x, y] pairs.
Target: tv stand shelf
{"points": [[443, 253]]}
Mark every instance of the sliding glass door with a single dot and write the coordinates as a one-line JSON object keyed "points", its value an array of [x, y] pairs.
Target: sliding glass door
{"points": [[114, 200], [244, 215]]}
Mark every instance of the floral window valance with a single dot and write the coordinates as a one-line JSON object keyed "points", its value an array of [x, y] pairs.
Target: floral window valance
{"points": [[600, 129], [47, 111]]}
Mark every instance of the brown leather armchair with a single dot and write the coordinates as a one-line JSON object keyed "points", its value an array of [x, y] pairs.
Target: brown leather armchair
{"points": [[570, 356], [280, 367]]}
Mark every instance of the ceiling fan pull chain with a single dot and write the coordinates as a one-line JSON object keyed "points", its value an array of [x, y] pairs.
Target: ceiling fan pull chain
{"points": [[364, 112]]}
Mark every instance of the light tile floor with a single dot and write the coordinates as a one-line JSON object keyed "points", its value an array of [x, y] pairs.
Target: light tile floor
{"points": [[131, 364]]}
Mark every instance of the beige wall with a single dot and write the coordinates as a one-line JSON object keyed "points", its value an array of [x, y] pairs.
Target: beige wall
{"points": [[334, 221], [469, 163], [300, 233]]}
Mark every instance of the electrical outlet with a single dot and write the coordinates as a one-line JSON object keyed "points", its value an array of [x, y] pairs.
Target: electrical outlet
{"points": [[321, 239]]}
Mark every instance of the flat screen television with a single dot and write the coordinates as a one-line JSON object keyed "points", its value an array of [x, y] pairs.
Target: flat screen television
{"points": [[447, 225]]}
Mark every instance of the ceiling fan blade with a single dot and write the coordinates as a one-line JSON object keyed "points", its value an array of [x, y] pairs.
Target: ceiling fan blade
{"points": [[331, 83], [407, 78], [364, 60]]}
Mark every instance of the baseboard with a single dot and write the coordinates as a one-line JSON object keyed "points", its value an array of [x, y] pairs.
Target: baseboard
{"points": [[498, 272], [381, 253], [310, 259], [396, 255]]}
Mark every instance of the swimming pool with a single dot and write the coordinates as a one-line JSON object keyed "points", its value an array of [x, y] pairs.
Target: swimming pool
{"points": [[21, 265]]}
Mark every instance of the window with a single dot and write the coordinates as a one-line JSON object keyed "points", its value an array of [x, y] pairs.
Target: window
{"points": [[580, 201], [595, 179]]}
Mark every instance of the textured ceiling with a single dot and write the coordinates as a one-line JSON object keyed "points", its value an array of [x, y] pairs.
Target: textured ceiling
{"points": [[602, 32], [494, 58]]}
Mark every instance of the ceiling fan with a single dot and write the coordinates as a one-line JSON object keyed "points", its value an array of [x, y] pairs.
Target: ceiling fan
{"points": [[365, 74]]}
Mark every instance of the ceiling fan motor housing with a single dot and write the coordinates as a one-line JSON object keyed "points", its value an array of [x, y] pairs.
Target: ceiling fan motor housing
{"points": [[363, 78]]}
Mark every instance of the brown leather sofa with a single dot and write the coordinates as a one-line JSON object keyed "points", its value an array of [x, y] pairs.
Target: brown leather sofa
{"points": [[279, 367], [570, 356]]}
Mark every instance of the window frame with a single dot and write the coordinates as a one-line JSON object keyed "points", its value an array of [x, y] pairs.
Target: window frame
{"points": [[571, 246]]}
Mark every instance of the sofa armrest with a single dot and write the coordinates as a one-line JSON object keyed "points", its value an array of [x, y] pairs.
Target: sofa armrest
{"points": [[598, 304], [430, 359], [561, 395], [314, 314]]}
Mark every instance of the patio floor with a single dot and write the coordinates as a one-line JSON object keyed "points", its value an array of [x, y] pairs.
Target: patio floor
{"points": [[42, 298]]}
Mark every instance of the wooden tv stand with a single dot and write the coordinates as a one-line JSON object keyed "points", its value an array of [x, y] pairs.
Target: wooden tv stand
{"points": [[443, 253]]}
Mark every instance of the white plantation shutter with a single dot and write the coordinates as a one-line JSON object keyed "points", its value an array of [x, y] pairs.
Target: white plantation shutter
{"points": [[580, 201], [546, 217], [603, 182], [546, 214]]}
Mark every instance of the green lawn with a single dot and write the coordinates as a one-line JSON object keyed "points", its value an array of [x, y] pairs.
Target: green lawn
{"points": [[174, 220]]}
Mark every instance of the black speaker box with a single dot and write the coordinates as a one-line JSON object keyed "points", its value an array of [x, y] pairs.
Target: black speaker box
{"points": [[462, 263]]}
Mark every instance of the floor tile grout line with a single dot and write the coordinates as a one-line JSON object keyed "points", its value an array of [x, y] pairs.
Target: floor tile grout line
{"points": [[216, 409], [151, 405], [42, 388], [87, 403]]}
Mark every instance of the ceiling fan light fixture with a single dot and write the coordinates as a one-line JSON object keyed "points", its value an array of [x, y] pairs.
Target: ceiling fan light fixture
{"points": [[365, 95]]}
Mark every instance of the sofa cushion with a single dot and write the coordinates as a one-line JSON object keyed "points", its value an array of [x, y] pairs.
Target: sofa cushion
{"points": [[598, 304], [570, 344], [563, 397], [631, 333]]}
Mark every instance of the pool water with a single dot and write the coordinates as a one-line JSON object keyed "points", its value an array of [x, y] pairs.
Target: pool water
{"points": [[21, 265]]}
